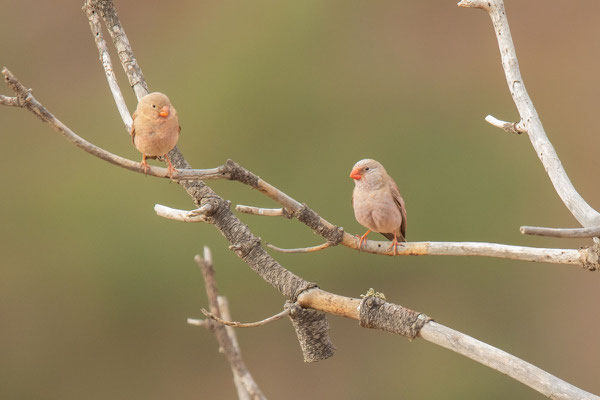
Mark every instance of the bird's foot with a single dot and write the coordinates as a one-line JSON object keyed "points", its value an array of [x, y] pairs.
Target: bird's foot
{"points": [[362, 239], [170, 169], [394, 246], [144, 164]]}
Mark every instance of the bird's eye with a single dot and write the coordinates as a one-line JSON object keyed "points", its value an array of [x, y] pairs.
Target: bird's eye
{"points": [[153, 105], [366, 169]]}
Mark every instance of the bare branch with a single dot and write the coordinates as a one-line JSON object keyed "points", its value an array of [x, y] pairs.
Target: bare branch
{"points": [[107, 11], [458, 342], [197, 215], [236, 324], [9, 101], [237, 379], [530, 121], [199, 322], [28, 101], [96, 28], [232, 352], [593, 231], [269, 212], [510, 127], [301, 249], [334, 234], [247, 247]]}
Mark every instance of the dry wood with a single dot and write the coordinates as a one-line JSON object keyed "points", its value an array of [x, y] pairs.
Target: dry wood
{"points": [[246, 245], [530, 120]]}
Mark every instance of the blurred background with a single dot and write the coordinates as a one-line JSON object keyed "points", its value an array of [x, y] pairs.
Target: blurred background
{"points": [[96, 289]]}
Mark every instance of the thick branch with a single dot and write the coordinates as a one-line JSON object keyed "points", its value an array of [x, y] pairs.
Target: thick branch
{"points": [[246, 246], [441, 335], [243, 242], [530, 121]]}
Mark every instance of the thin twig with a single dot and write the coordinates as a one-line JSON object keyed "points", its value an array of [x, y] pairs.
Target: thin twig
{"points": [[9, 101], [106, 62], [269, 212], [593, 231], [301, 249], [530, 121], [237, 324], [232, 352], [205, 323], [197, 215], [510, 127], [243, 394]]}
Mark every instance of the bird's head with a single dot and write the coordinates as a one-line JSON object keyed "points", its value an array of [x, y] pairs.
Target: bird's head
{"points": [[368, 172], [155, 106]]}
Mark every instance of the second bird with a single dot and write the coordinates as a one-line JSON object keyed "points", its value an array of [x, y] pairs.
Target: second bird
{"points": [[378, 205], [155, 129]]}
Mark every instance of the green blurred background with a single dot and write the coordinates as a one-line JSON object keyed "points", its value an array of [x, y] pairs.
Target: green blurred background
{"points": [[96, 289]]}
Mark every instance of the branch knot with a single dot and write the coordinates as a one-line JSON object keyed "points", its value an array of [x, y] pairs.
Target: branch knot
{"points": [[238, 173], [309, 217], [591, 256], [376, 313], [312, 330]]}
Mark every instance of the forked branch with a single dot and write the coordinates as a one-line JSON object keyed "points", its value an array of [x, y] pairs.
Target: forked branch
{"points": [[530, 120]]}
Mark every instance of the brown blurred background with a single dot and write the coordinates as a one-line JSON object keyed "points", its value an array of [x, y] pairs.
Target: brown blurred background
{"points": [[96, 289]]}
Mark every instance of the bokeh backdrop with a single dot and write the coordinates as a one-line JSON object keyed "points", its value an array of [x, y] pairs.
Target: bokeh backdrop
{"points": [[95, 288]]}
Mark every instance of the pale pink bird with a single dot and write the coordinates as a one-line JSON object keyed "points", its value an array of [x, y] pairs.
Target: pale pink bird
{"points": [[377, 203], [155, 129]]}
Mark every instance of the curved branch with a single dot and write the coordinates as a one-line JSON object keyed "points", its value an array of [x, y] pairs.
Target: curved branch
{"points": [[458, 342], [245, 245], [237, 324], [530, 121], [301, 249]]}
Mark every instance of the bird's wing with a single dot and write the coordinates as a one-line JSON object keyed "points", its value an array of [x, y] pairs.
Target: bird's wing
{"points": [[132, 131], [400, 203]]}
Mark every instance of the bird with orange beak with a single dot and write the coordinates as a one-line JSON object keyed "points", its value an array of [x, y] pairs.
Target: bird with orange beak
{"points": [[155, 129], [377, 203]]}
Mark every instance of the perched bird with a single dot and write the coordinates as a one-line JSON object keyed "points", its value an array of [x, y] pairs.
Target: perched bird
{"points": [[155, 129], [377, 203]]}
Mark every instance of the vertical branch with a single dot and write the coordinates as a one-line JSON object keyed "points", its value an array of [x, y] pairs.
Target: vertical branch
{"points": [[130, 65], [231, 350], [225, 313], [96, 28], [530, 121]]}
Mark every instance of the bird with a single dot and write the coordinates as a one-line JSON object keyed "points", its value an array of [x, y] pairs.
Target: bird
{"points": [[377, 203], [155, 128]]}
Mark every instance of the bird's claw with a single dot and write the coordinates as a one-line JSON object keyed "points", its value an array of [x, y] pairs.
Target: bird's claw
{"points": [[144, 165]]}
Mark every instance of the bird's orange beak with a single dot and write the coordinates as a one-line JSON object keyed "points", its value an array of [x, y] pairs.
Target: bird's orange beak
{"points": [[164, 112], [355, 174]]}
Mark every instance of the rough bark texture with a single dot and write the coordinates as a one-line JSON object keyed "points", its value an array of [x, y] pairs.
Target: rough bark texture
{"points": [[376, 313], [243, 242], [311, 327], [226, 342]]}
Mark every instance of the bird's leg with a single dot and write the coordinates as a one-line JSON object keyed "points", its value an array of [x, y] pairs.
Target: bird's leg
{"points": [[362, 239], [394, 245], [170, 168], [144, 163]]}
